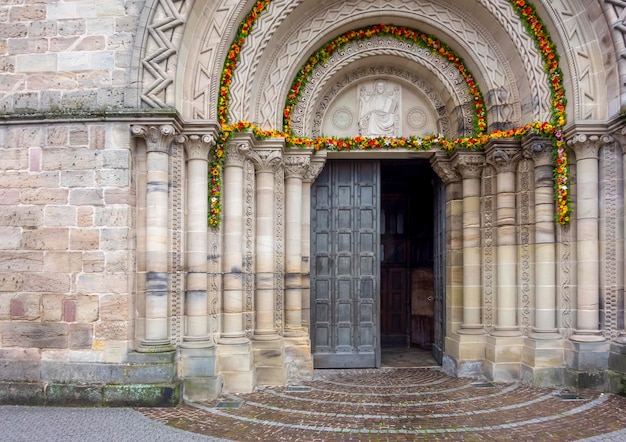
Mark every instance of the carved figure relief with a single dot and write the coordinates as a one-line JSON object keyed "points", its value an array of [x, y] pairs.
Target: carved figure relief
{"points": [[378, 110]]}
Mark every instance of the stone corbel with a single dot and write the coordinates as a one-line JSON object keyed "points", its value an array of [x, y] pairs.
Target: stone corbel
{"points": [[444, 168]]}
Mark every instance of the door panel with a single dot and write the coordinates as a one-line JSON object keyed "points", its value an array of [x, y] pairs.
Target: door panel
{"points": [[344, 241]]}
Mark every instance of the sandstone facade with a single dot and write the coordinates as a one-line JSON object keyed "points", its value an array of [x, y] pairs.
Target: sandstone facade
{"points": [[114, 287]]}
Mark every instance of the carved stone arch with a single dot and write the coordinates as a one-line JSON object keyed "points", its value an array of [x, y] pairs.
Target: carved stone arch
{"points": [[579, 42], [437, 102], [265, 96], [154, 60], [446, 74], [615, 14]]}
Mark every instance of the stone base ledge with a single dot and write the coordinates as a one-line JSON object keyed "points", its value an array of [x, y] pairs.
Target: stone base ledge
{"points": [[81, 395]]}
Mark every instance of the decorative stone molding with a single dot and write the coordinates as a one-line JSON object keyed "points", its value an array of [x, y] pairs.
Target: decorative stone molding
{"points": [[158, 138], [296, 164], [318, 160], [269, 160], [418, 82], [236, 153], [443, 167], [539, 150], [197, 147], [587, 146], [469, 164], [504, 159]]}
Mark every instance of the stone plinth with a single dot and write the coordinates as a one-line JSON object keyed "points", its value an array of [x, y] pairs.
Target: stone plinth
{"points": [[586, 365], [236, 364], [298, 358], [542, 362], [503, 357], [464, 355], [269, 362], [198, 370]]}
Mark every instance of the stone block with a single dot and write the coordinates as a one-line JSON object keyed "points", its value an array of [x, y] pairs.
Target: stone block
{"points": [[542, 377], [87, 308], [38, 335], [42, 29], [86, 197], [595, 381], [9, 197], [84, 238], [47, 282], [167, 357], [52, 307], [202, 389], [21, 393], [80, 336], [22, 216], [10, 238], [21, 371], [101, 283], [73, 395], [93, 262], [271, 375], [112, 330], [120, 196], [113, 216], [198, 362], [113, 307], [18, 261], [60, 216], [114, 238], [11, 282], [586, 356], [138, 395], [47, 238], [78, 178], [14, 159], [239, 382], [62, 262], [27, 13], [149, 373], [504, 349], [86, 373], [43, 196]]}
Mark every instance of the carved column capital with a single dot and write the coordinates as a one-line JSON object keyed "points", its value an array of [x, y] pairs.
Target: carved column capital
{"points": [[236, 154], [503, 154], [588, 146], [469, 164], [444, 168], [317, 164], [197, 146], [538, 149], [620, 137], [297, 164], [266, 160], [158, 138]]}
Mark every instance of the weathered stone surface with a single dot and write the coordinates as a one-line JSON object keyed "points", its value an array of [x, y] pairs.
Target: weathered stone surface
{"points": [[39, 335], [72, 395], [80, 336], [141, 395], [22, 393]]}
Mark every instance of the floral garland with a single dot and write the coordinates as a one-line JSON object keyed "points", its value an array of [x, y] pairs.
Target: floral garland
{"points": [[552, 129], [423, 40]]}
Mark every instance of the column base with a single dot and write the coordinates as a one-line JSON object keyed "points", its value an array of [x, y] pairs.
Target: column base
{"points": [[505, 331], [471, 329], [236, 365], [542, 361], [587, 336], [294, 332], [156, 346], [198, 369], [586, 365], [193, 342], [465, 355], [298, 358], [503, 357], [269, 361]]}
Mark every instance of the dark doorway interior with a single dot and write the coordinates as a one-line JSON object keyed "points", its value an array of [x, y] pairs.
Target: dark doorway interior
{"points": [[406, 237]]}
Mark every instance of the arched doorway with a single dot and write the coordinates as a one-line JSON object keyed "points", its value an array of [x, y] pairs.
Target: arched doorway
{"points": [[373, 262]]}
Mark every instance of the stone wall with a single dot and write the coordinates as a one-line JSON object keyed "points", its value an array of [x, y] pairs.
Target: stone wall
{"points": [[65, 56]]}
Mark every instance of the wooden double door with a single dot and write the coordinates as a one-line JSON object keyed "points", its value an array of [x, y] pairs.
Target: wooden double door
{"points": [[373, 276]]}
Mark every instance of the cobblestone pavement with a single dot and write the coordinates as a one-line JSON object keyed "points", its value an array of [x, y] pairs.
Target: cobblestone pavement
{"points": [[402, 404]]}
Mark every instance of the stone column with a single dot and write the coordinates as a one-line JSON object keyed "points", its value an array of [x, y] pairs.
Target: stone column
{"points": [[545, 240], [442, 165], [470, 166], [317, 164], [196, 301], [236, 359], [266, 162], [297, 164], [158, 140], [504, 156], [588, 293], [232, 255]]}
